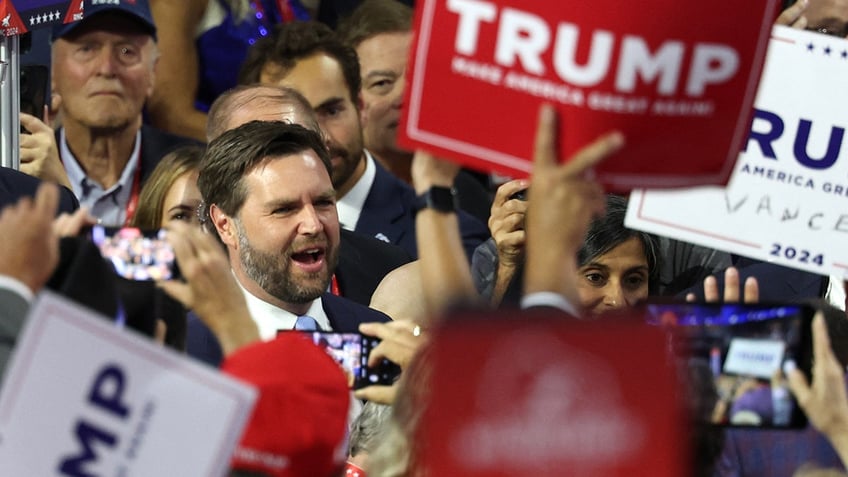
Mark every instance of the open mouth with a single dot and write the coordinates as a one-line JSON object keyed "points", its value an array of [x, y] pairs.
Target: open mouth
{"points": [[309, 257]]}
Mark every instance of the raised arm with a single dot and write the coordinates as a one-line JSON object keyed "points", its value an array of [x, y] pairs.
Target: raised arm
{"points": [[445, 272]]}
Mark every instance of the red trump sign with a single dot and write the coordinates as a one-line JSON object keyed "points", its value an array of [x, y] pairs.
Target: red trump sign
{"points": [[676, 77]]}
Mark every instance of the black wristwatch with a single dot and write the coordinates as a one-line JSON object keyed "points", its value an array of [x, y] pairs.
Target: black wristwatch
{"points": [[441, 199]]}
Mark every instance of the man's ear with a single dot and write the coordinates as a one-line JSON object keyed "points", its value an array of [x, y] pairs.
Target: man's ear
{"points": [[224, 225]]}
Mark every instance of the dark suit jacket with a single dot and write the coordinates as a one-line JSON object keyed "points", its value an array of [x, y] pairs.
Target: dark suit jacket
{"points": [[155, 143], [344, 315], [15, 184], [363, 262], [389, 211]]}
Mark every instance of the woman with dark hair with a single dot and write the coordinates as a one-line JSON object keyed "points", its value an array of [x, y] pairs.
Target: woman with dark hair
{"points": [[618, 267]]}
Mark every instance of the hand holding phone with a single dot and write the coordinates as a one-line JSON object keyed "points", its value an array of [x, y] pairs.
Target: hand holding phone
{"points": [[33, 91], [735, 354], [825, 400], [352, 351]]}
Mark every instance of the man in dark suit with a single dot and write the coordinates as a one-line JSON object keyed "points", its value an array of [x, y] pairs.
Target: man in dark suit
{"points": [[15, 184], [310, 58], [363, 261], [270, 198], [28, 256], [103, 70]]}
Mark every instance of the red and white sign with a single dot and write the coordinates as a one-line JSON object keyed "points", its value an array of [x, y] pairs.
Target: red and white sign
{"points": [[680, 90], [546, 398]]}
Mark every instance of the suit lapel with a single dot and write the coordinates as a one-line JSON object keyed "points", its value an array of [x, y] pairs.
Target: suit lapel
{"points": [[384, 212]]}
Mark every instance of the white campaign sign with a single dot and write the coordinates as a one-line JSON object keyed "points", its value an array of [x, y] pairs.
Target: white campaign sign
{"points": [[754, 357], [84, 398], [787, 201]]}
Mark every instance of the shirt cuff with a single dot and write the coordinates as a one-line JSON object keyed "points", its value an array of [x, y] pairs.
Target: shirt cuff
{"points": [[16, 286], [550, 299]]}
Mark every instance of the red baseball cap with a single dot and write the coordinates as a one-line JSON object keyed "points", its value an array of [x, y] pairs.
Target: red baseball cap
{"points": [[299, 424]]}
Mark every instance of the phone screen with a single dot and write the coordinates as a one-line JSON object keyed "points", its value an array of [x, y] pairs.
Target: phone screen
{"points": [[351, 352], [736, 355], [136, 254], [33, 90]]}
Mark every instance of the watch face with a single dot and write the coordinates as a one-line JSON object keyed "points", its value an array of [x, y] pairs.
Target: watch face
{"points": [[442, 199]]}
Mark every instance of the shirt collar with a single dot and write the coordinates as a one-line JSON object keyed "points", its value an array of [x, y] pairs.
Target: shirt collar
{"points": [[89, 192], [270, 319], [350, 206]]}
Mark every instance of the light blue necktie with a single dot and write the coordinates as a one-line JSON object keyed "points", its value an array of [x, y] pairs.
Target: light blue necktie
{"points": [[306, 323]]}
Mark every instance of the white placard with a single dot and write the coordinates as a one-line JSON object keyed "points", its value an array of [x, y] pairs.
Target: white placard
{"points": [[84, 398], [787, 201], [754, 357]]}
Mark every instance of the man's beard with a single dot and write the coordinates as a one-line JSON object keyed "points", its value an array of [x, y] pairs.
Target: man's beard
{"points": [[272, 272], [350, 160]]}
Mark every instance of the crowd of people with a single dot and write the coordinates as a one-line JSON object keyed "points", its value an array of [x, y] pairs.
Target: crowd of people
{"points": [[264, 142]]}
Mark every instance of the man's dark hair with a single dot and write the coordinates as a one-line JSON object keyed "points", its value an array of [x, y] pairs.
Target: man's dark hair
{"points": [[290, 42], [373, 17], [608, 232], [235, 153]]}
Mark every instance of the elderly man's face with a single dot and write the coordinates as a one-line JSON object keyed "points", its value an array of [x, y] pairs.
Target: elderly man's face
{"points": [[104, 72]]}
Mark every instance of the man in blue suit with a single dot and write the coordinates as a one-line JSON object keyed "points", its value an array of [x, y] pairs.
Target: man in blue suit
{"points": [[270, 198], [310, 58]]}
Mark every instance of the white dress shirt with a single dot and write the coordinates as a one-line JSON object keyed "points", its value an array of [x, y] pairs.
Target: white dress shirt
{"points": [[270, 319], [350, 206]]}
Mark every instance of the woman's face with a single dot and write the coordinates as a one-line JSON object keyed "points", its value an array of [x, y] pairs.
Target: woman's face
{"points": [[614, 280], [181, 200]]}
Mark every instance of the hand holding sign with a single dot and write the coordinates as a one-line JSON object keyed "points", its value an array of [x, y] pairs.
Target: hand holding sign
{"points": [[794, 15]]}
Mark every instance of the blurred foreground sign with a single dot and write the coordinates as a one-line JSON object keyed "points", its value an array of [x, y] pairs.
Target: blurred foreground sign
{"points": [[787, 201], [680, 90], [85, 398], [548, 397]]}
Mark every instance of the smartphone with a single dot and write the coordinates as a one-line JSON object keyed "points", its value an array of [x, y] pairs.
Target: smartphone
{"points": [[351, 352], [736, 356], [520, 195], [33, 90], [136, 254]]}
